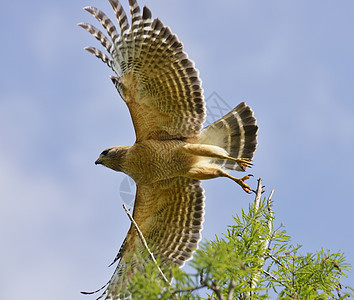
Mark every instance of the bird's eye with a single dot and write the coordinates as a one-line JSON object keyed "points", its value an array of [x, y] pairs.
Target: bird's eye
{"points": [[105, 152]]}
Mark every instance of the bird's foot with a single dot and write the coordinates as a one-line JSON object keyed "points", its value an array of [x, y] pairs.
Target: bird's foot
{"points": [[241, 182], [244, 163]]}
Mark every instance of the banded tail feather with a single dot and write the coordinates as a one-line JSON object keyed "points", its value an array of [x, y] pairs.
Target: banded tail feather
{"points": [[236, 132]]}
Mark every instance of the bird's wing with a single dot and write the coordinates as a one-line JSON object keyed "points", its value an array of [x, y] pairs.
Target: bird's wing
{"points": [[170, 215], [155, 78]]}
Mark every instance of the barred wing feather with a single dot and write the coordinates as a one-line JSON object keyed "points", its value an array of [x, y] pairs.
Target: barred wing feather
{"points": [[156, 79]]}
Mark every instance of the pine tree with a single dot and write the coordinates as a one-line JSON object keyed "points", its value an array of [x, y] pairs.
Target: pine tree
{"points": [[252, 260]]}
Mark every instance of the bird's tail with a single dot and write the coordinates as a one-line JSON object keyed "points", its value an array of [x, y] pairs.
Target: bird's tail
{"points": [[236, 132]]}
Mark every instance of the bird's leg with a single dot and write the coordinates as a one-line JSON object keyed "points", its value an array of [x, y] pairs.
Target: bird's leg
{"points": [[242, 162], [215, 152], [203, 172]]}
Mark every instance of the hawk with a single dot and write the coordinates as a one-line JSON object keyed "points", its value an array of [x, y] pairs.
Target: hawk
{"points": [[172, 152]]}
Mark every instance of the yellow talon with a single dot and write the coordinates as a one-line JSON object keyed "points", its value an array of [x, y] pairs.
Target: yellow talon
{"points": [[245, 186], [244, 163], [241, 182]]}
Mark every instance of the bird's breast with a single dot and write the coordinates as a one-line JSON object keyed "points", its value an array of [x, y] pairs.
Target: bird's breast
{"points": [[151, 160]]}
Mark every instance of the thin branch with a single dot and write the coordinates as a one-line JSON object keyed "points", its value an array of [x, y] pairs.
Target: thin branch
{"points": [[255, 277], [231, 289], [188, 290], [275, 279], [141, 236], [217, 291], [269, 200], [270, 220], [276, 260], [258, 192]]}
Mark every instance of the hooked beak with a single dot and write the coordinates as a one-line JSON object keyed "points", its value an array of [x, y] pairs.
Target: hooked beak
{"points": [[98, 162]]}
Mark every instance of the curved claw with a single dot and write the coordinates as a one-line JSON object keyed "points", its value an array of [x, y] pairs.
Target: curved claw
{"points": [[244, 163]]}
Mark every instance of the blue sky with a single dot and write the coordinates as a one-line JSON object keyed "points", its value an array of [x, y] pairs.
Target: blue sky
{"points": [[61, 217]]}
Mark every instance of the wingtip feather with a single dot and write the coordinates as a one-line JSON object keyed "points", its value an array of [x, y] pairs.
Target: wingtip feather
{"points": [[147, 13]]}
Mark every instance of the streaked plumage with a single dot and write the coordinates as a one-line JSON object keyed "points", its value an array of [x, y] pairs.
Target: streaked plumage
{"points": [[172, 153]]}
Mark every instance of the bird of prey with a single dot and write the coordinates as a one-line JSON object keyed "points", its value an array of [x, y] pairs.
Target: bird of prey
{"points": [[172, 152]]}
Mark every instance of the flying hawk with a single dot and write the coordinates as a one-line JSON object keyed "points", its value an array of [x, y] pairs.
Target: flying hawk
{"points": [[172, 152]]}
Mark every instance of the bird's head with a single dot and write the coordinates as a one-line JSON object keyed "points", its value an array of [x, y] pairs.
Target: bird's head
{"points": [[113, 158]]}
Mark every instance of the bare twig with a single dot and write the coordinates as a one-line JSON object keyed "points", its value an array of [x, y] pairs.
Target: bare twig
{"points": [[258, 192], [141, 236], [269, 200]]}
